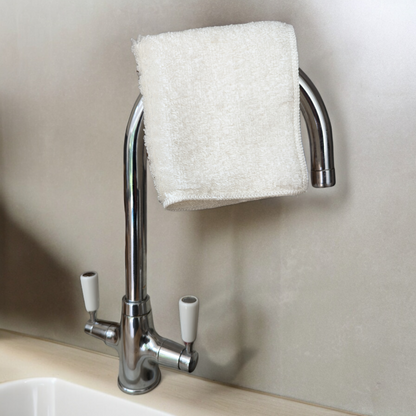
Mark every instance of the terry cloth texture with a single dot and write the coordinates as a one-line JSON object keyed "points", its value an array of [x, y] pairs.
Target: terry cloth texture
{"points": [[221, 114]]}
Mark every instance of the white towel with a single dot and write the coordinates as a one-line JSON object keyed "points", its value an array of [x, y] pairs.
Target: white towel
{"points": [[221, 114]]}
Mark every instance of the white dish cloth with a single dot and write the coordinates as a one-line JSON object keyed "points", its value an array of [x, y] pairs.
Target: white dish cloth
{"points": [[221, 113]]}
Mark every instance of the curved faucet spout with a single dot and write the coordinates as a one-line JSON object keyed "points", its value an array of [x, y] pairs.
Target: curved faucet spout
{"points": [[135, 163], [319, 132]]}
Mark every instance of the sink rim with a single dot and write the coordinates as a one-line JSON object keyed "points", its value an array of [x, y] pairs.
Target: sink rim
{"points": [[57, 391]]}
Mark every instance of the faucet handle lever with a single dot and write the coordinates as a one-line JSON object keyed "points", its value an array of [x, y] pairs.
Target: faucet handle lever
{"points": [[89, 284], [188, 315]]}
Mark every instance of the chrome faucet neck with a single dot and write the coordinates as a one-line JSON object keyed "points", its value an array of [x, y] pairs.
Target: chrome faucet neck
{"points": [[135, 175], [135, 188]]}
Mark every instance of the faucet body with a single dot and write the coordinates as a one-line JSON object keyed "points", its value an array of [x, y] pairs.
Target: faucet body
{"points": [[140, 348]]}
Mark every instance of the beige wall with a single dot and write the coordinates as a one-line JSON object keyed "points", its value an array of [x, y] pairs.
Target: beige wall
{"points": [[312, 297]]}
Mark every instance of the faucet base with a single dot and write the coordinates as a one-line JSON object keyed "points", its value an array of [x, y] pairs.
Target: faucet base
{"points": [[153, 383]]}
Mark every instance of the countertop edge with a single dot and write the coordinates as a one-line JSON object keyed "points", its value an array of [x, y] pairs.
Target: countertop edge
{"points": [[23, 357]]}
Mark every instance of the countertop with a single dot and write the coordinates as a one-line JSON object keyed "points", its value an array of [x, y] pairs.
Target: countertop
{"points": [[24, 357]]}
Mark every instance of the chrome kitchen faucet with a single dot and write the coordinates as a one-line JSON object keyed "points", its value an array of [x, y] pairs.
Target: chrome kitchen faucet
{"points": [[140, 348]]}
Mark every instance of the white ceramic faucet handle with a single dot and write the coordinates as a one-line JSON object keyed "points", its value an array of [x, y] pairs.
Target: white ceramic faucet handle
{"points": [[89, 283], [188, 315]]}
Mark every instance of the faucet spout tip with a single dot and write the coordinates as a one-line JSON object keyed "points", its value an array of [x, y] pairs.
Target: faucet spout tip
{"points": [[324, 178]]}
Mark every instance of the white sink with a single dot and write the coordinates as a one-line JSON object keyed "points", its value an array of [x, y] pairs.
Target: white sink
{"points": [[54, 397]]}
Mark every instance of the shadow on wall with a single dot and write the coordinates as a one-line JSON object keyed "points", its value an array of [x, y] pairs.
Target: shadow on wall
{"points": [[228, 258], [34, 289]]}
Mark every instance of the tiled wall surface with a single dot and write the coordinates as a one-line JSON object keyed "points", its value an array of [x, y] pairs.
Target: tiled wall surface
{"points": [[311, 297]]}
